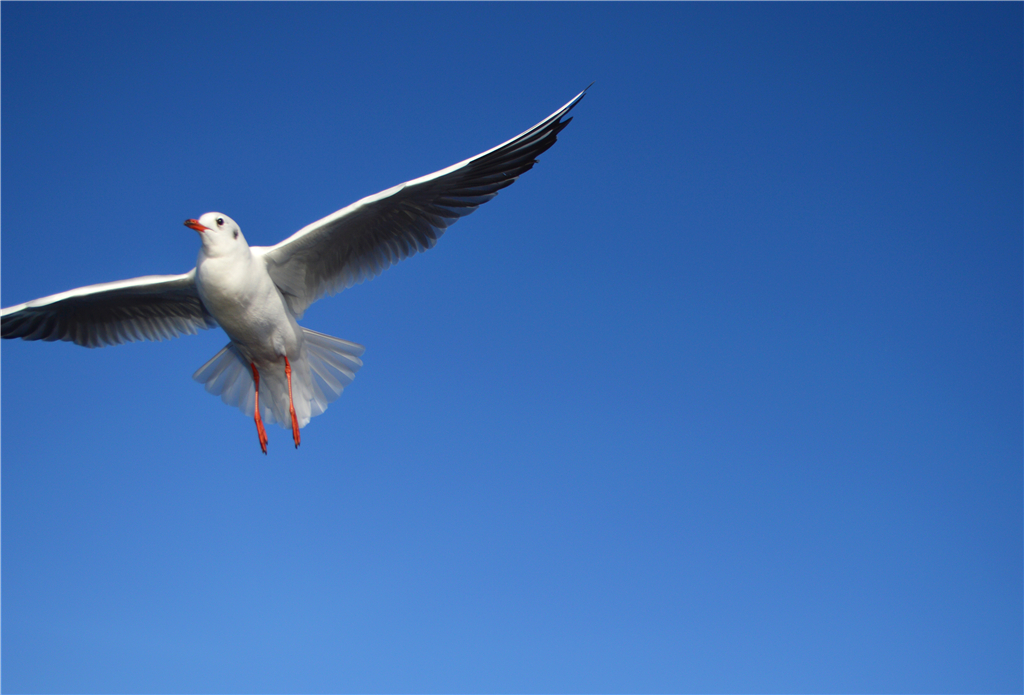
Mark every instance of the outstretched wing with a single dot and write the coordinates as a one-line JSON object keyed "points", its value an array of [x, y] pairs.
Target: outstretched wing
{"points": [[360, 241], [154, 307]]}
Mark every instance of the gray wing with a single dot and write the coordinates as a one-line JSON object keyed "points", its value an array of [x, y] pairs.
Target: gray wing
{"points": [[155, 307], [360, 241]]}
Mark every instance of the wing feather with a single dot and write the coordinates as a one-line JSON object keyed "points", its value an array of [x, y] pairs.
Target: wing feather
{"points": [[359, 242], [155, 307]]}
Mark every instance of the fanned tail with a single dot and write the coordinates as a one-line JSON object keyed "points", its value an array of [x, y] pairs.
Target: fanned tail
{"points": [[319, 376], [228, 375], [333, 364]]}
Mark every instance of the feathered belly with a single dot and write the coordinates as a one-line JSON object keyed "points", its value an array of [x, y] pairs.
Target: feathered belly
{"points": [[263, 335], [255, 317]]}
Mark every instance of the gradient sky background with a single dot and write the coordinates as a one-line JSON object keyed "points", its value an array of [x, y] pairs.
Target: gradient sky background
{"points": [[723, 396]]}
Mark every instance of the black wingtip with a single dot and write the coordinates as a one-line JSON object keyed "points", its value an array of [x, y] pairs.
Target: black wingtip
{"points": [[580, 96], [560, 114]]}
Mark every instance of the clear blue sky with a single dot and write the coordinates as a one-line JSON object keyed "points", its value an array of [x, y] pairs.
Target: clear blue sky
{"points": [[724, 396]]}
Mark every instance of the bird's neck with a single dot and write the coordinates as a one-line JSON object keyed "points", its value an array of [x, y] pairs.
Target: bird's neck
{"points": [[237, 250]]}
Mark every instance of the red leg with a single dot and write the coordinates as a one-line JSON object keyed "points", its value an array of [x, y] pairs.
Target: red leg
{"points": [[259, 421], [291, 405]]}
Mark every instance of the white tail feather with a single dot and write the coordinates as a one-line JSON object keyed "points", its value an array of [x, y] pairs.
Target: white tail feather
{"points": [[319, 375]]}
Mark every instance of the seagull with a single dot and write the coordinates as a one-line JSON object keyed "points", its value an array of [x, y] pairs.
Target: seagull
{"points": [[272, 369]]}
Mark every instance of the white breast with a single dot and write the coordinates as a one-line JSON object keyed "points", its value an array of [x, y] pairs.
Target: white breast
{"points": [[241, 296]]}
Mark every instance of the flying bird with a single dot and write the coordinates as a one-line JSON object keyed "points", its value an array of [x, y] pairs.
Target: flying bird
{"points": [[273, 369]]}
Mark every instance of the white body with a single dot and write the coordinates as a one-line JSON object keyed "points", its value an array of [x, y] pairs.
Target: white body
{"points": [[236, 288]]}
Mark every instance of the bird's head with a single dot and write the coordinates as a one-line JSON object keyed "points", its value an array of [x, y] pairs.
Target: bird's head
{"points": [[220, 234]]}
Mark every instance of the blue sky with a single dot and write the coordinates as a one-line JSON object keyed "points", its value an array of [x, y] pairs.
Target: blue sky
{"points": [[723, 396]]}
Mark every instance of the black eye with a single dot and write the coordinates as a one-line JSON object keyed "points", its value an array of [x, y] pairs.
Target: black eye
{"points": [[220, 221], [236, 235]]}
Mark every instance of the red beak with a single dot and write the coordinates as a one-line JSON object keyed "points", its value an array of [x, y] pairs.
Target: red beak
{"points": [[194, 224]]}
